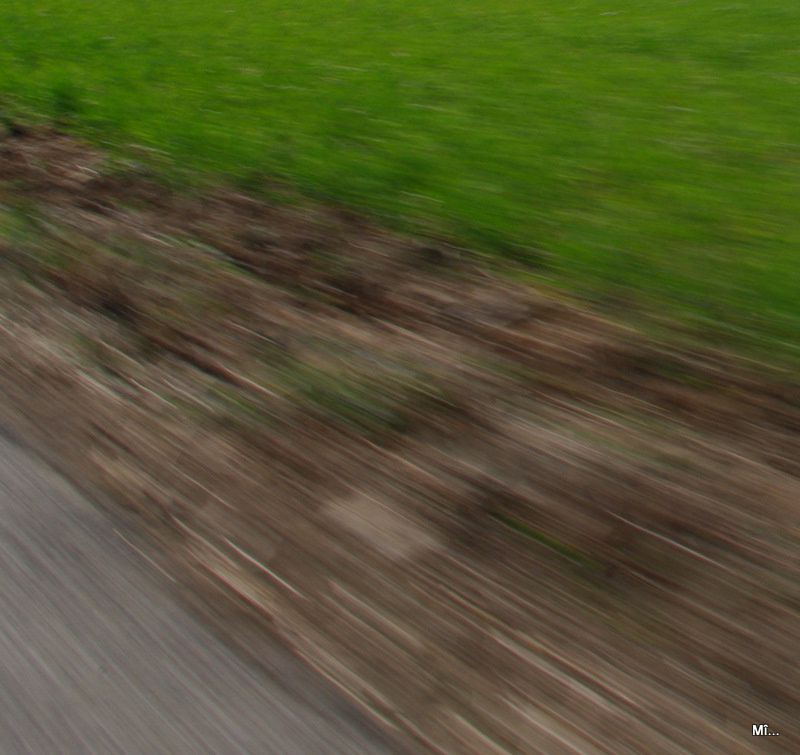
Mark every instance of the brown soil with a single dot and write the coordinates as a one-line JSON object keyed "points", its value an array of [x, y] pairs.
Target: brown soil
{"points": [[496, 520]]}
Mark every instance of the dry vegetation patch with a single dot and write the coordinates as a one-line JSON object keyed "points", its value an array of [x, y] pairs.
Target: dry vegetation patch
{"points": [[499, 521]]}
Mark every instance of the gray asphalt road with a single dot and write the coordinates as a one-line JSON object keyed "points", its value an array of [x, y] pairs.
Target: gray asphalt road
{"points": [[97, 657]]}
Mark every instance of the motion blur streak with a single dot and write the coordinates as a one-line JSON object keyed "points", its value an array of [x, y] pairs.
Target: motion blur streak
{"points": [[495, 519], [95, 656], [454, 345]]}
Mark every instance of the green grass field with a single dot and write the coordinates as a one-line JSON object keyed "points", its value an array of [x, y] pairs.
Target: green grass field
{"points": [[644, 151]]}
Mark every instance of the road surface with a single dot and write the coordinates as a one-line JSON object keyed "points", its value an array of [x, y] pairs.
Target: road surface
{"points": [[97, 657]]}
